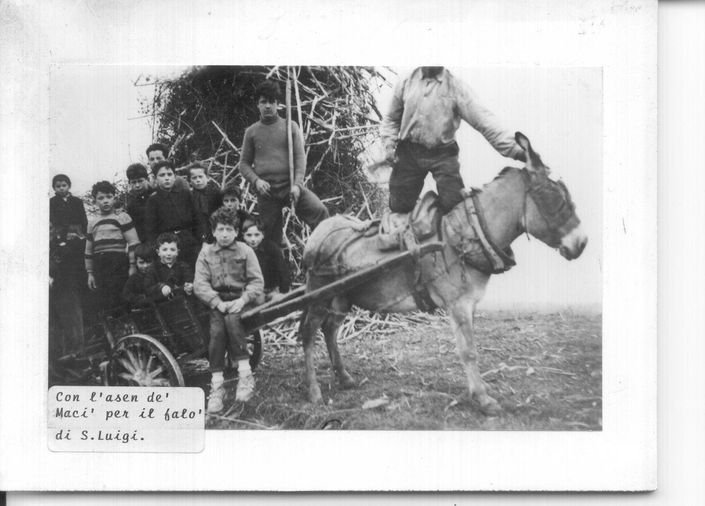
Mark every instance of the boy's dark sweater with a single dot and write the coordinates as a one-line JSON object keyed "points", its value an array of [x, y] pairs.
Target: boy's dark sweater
{"points": [[63, 213], [275, 268], [171, 211], [135, 290], [136, 206], [206, 201], [160, 275]]}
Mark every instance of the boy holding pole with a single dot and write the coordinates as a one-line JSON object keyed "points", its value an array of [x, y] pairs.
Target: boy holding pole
{"points": [[273, 161]]}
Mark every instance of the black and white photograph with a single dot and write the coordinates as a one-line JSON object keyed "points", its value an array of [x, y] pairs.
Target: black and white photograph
{"points": [[383, 247], [376, 205]]}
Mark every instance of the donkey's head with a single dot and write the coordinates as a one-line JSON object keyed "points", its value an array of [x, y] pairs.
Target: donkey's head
{"points": [[549, 213]]}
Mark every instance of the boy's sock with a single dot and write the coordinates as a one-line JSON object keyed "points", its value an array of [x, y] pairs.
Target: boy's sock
{"points": [[217, 380], [243, 367]]}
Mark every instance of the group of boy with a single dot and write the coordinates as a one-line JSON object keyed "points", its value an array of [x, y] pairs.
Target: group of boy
{"points": [[175, 237], [193, 230]]}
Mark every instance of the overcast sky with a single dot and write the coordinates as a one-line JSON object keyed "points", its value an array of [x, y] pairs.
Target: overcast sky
{"points": [[96, 132]]}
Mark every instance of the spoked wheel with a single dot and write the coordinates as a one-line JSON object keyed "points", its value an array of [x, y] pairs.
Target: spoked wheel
{"points": [[254, 347], [141, 360]]}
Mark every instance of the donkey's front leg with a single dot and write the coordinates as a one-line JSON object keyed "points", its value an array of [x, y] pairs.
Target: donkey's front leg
{"points": [[462, 313], [310, 324]]}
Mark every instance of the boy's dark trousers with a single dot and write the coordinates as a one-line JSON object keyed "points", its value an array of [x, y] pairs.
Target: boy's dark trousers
{"points": [[111, 271], [226, 331], [408, 174], [65, 309], [309, 208], [189, 247]]}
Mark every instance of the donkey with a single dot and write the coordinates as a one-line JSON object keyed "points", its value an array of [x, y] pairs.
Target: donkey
{"points": [[516, 201]]}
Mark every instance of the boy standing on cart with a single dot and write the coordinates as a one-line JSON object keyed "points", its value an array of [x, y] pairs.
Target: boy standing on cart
{"points": [[228, 278]]}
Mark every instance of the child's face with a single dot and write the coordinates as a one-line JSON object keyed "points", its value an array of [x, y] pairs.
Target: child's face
{"points": [[253, 237], [153, 157], [165, 178], [143, 265], [224, 234], [267, 108], [168, 252], [198, 179], [61, 188], [231, 202], [105, 202], [138, 184]]}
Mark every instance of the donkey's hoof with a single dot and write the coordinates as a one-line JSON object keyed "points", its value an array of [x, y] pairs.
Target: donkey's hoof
{"points": [[346, 381], [314, 395], [489, 406]]}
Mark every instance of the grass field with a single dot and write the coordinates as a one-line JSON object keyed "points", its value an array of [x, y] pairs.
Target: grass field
{"points": [[544, 369]]}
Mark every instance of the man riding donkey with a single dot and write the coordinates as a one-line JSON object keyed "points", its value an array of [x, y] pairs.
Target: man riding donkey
{"points": [[419, 136]]}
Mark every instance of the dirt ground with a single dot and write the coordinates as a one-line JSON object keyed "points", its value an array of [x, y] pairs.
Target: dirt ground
{"points": [[544, 369]]}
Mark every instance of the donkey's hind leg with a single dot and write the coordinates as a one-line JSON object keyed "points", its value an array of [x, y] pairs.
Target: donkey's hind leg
{"points": [[311, 322], [331, 326]]}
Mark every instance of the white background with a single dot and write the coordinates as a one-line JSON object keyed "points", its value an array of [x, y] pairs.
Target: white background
{"points": [[681, 277]]}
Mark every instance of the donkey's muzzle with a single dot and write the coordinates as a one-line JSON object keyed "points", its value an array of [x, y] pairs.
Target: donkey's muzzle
{"points": [[573, 244]]}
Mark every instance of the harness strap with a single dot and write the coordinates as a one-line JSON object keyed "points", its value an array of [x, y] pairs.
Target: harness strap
{"points": [[499, 259]]}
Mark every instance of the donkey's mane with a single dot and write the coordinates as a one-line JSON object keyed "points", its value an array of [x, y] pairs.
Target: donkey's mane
{"points": [[502, 174]]}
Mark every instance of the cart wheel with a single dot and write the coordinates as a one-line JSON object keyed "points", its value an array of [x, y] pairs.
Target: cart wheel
{"points": [[141, 360], [254, 346]]}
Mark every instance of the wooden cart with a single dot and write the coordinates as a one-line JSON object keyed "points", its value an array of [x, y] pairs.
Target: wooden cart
{"points": [[147, 347]]}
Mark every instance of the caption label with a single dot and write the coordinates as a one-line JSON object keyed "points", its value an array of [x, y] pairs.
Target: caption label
{"points": [[126, 419]]}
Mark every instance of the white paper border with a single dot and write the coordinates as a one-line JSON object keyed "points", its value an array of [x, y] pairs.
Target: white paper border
{"points": [[618, 36]]}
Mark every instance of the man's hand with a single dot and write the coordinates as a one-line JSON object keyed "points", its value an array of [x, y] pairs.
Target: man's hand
{"points": [[262, 187], [166, 290], [236, 306], [91, 281], [222, 307], [188, 288], [295, 194]]}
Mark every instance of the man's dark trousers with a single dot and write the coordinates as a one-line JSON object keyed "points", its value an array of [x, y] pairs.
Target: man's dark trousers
{"points": [[408, 174]]}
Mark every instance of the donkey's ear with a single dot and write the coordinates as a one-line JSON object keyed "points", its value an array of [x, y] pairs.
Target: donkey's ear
{"points": [[533, 161], [523, 141]]}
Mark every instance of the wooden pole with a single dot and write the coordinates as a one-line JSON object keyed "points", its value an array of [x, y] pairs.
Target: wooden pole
{"points": [[289, 136]]}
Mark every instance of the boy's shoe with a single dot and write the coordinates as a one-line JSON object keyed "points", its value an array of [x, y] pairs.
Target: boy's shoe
{"points": [[245, 388], [215, 400]]}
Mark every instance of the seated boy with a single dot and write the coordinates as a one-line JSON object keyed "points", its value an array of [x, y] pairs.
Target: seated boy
{"points": [[275, 268], [135, 290], [137, 196], [168, 274], [169, 210], [206, 196], [110, 244], [228, 278]]}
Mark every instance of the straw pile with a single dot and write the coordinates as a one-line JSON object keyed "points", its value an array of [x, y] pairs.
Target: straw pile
{"points": [[203, 113]]}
